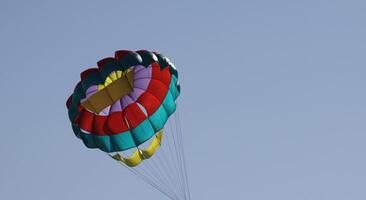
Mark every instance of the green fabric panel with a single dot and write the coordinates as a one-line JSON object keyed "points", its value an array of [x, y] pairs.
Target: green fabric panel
{"points": [[76, 130], [77, 95], [122, 141], [159, 118], [147, 57], [131, 59], [98, 77], [169, 103], [142, 132], [178, 88], [107, 68], [92, 79], [73, 112]]}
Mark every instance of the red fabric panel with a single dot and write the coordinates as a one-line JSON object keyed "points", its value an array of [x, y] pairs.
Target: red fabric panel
{"points": [[116, 123], [68, 102], [102, 125], [149, 102], [140, 51], [121, 53], [162, 75], [99, 126], [85, 120], [158, 89], [80, 108], [134, 115]]}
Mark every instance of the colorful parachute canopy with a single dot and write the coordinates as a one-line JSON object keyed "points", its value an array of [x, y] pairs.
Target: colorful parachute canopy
{"points": [[125, 101], [124, 104]]}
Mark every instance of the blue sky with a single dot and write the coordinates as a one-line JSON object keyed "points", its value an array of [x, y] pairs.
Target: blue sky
{"points": [[272, 105]]}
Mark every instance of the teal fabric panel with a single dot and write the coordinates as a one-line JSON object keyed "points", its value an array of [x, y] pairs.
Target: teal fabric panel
{"points": [[159, 118], [103, 142], [113, 143], [169, 103], [122, 141], [173, 87], [142, 132], [87, 139]]}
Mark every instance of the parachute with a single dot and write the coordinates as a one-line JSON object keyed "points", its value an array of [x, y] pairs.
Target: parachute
{"points": [[127, 107]]}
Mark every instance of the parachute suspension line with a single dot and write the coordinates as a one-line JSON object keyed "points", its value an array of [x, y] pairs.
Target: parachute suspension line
{"points": [[149, 176], [168, 162], [177, 159], [168, 165], [157, 174], [161, 170], [178, 149], [174, 158], [162, 175], [155, 167], [146, 179], [180, 134], [178, 155], [165, 169], [176, 117]]}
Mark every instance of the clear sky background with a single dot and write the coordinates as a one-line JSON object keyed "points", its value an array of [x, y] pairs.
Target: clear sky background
{"points": [[272, 105]]}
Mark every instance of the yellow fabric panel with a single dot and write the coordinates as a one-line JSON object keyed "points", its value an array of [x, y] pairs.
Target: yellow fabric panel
{"points": [[101, 87], [130, 74], [131, 161], [119, 88], [149, 151], [87, 105], [139, 155], [108, 81], [98, 101], [110, 92], [119, 74], [113, 76]]}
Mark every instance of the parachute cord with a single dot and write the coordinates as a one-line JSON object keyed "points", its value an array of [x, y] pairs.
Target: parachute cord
{"points": [[176, 148], [170, 172], [160, 176], [138, 174], [150, 174], [183, 153], [164, 161], [180, 159], [174, 159]]}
